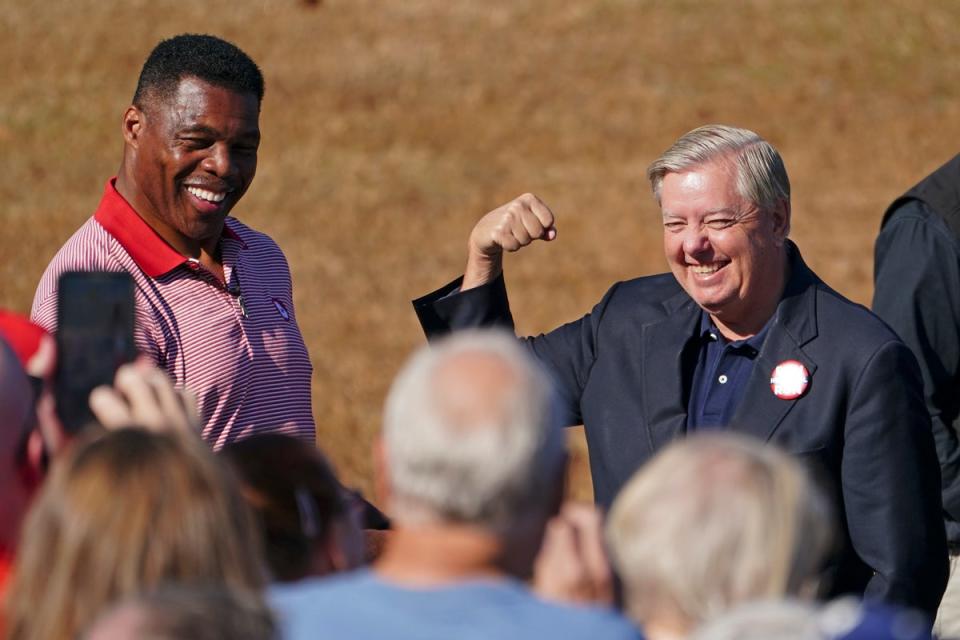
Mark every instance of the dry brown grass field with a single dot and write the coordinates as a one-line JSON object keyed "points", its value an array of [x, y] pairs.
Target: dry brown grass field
{"points": [[390, 126]]}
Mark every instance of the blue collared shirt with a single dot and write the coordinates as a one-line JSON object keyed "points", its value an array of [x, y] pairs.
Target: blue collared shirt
{"points": [[722, 371]]}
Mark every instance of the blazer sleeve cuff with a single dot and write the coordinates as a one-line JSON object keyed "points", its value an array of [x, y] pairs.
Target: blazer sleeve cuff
{"points": [[448, 309]]}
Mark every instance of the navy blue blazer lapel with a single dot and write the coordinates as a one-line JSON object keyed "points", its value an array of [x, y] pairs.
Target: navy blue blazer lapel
{"points": [[760, 412], [665, 376]]}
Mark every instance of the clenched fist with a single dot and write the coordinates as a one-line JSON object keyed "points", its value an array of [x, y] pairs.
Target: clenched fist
{"points": [[506, 228]]}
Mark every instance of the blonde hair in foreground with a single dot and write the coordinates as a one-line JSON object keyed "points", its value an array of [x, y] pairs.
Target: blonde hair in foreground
{"points": [[180, 613], [713, 521], [119, 516]]}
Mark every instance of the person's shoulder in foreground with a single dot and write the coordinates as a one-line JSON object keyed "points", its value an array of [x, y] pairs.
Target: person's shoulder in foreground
{"points": [[362, 605]]}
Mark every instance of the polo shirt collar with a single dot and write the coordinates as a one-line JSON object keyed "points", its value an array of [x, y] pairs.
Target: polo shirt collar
{"points": [[151, 252], [709, 333]]}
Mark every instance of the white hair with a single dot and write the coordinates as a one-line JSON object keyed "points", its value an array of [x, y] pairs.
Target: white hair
{"points": [[762, 620], [761, 175], [797, 620], [714, 521], [469, 434]]}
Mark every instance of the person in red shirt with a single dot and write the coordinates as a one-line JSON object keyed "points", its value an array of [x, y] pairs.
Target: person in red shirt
{"points": [[18, 440], [214, 298], [30, 434]]}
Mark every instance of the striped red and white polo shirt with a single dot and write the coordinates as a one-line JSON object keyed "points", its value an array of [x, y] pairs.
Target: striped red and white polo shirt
{"points": [[236, 345]]}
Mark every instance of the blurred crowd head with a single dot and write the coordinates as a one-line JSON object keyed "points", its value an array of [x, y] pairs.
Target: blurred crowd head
{"points": [[713, 521], [122, 513], [469, 437], [186, 613], [310, 523]]}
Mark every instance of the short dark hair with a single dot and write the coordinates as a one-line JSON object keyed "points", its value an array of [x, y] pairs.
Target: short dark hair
{"points": [[205, 57], [294, 492]]}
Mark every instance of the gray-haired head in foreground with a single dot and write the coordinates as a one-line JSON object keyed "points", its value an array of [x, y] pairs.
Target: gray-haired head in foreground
{"points": [[469, 434], [714, 521], [761, 175]]}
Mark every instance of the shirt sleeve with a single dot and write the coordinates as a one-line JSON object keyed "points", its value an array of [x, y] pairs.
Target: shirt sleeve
{"points": [[917, 292]]}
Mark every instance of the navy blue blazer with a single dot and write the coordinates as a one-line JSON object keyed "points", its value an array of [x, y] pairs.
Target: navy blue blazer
{"points": [[625, 371]]}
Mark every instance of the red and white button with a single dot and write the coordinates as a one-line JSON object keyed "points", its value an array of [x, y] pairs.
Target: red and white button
{"points": [[789, 380]]}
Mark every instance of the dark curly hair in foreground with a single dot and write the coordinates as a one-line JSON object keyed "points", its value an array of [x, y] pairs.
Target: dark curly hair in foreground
{"points": [[206, 57]]}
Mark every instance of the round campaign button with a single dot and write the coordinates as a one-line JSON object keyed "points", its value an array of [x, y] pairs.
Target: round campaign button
{"points": [[789, 380]]}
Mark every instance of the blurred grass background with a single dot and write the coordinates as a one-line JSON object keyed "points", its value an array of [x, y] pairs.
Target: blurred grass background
{"points": [[390, 126]]}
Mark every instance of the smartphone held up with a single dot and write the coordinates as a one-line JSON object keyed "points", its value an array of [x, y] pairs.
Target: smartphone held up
{"points": [[95, 323]]}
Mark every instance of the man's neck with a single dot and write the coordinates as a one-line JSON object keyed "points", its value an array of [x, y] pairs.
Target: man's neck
{"points": [[436, 555], [733, 332], [665, 629], [759, 315], [207, 252]]}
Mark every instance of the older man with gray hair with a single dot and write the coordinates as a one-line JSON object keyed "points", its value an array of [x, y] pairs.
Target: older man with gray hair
{"points": [[471, 462], [741, 335]]}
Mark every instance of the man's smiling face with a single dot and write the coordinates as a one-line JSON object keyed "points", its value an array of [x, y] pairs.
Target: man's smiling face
{"points": [[195, 155], [726, 253]]}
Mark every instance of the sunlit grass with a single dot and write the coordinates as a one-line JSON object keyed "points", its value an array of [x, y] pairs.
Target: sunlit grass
{"points": [[390, 126]]}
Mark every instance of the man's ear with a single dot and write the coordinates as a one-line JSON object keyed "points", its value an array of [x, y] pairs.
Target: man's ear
{"points": [[781, 220], [133, 122]]}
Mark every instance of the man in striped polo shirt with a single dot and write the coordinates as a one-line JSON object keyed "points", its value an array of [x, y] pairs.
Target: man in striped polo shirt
{"points": [[214, 297]]}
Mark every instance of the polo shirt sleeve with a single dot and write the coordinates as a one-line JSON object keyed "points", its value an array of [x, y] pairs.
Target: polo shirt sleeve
{"points": [[917, 292], [44, 312]]}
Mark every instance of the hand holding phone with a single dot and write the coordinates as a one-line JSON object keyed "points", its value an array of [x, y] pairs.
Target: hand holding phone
{"points": [[144, 396]]}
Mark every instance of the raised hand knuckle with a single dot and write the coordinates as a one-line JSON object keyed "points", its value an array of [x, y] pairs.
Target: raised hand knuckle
{"points": [[513, 211]]}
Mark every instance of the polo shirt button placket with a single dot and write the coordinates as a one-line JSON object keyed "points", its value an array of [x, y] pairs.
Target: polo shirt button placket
{"points": [[235, 293], [235, 289], [243, 306], [194, 265]]}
